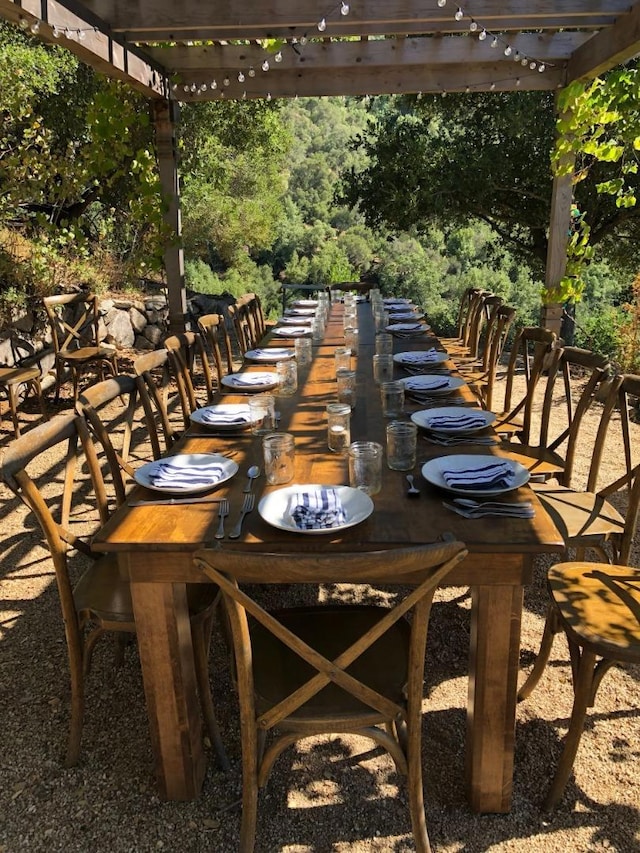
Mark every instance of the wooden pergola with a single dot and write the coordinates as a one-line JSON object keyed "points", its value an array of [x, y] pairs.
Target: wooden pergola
{"points": [[191, 51]]}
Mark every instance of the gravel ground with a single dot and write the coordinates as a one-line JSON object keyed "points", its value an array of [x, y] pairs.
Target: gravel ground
{"points": [[324, 794]]}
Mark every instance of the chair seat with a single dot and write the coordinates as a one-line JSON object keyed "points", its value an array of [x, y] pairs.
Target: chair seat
{"points": [[83, 354], [538, 461], [278, 671], [599, 604], [16, 375], [103, 591], [579, 514]]}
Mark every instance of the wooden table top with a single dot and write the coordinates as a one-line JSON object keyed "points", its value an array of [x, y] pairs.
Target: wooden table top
{"points": [[396, 520]]}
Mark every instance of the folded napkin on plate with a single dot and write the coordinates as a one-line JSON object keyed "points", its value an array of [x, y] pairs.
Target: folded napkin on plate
{"points": [[461, 421], [248, 379], [424, 357], [406, 327], [176, 474], [495, 475], [207, 416], [316, 510], [426, 387], [272, 352]]}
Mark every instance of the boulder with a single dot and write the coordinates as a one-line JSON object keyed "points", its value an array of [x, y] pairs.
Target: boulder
{"points": [[142, 343], [120, 328], [153, 334], [138, 318]]}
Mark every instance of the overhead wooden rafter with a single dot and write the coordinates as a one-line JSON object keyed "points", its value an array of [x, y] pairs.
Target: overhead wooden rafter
{"points": [[204, 51]]}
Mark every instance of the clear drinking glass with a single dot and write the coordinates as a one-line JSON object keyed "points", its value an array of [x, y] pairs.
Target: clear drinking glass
{"points": [[351, 339], [287, 377], [384, 343], [262, 413], [382, 368], [365, 466], [338, 426], [392, 398], [342, 356], [401, 445], [304, 351], [279, 457], [346, 380]]}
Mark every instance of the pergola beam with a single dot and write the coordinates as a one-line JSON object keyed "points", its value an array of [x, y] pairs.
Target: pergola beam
{"points": [[608, 48]]}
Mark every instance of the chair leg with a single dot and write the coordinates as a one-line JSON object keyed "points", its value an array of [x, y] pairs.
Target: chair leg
{"points": [[201, 637], [551, 628], [13, 406], [583, 689], [249, 789], [414, 783], [77, 704]]}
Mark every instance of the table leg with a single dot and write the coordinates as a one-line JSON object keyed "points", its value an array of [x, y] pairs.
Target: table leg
{"points": [[493, 673], [166, 654]]}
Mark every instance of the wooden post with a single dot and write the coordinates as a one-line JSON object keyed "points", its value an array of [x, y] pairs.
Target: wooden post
{"points": [[165, 116]]}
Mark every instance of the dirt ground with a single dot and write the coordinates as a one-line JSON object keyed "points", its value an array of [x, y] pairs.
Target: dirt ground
{"points": [[326, 794]]}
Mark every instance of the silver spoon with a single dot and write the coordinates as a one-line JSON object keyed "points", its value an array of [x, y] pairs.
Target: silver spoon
{"points": [[252, 473], [412, 490]]}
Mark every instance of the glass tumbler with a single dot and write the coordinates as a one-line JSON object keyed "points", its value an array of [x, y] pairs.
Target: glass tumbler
{"points": [[392, 398], [343, 358], [382, 368], [401, 445], [346, 380], [304, 350], [279, 457], [338, 426], [365, 466], [384, 343], [287, 377], [262, 413], [351, 339]]}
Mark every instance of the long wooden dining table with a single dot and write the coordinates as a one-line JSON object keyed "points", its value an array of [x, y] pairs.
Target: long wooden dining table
{"points": [[155, 545]]}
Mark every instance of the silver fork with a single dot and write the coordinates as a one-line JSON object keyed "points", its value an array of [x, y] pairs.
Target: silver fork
{"points": [[247, 506], [223, 512], [480, 512]]}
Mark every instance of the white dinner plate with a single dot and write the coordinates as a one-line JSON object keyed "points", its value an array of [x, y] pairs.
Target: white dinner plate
{"points": [[295, 321], [409, 359], [190, 464], [431, 385], [274, 507], [416, 328], [223, 416], [396, 300], [305, 303], [269, 355], [250, 381], [425, 418], [300, 312], [432, 472], [400, 316], [292, 331]]}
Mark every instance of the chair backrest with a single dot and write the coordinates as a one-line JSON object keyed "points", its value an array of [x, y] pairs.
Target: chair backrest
{"points": [[423, 567], [532, 347], [256, 316], [152, 379], [240, 316], [214, 332], [498, 327], [463, 310], [90, 405], [185, 350], [73, 318], [53, 509], [475, 321]]}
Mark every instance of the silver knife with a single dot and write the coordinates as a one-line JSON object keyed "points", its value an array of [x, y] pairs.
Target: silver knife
{"points": [[174, 501]]}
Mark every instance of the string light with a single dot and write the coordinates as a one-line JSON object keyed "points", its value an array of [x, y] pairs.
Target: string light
{"points": [[278, 56], [322, 25], [482, 35], [265, 65], [344, 8], [240, 77], [459, 15], [473, 26], [252, 72], [442, 3]]}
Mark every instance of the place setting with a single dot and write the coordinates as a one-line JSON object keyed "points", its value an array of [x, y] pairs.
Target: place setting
{"points": [[223, 417], [287, 331], [269, 355], [184, 474], [416, 362], [424, 386], [315, 508], [451, 425], [248, 381], [407, 330]]}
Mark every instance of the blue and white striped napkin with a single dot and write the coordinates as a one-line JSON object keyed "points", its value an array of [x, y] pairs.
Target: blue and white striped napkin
{"points": [[495, 475], [176, 474], [210, 416], [316, 509], [421, 384], [462, 421], [248, 379], [425, 357]]}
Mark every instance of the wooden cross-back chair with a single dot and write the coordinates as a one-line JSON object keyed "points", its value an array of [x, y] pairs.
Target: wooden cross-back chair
{"points": [[326, 668], [479, 344], [462, 322], [73, 319], [240, 315], [153, 375], [467, 345], [543, 457], [482, 379], [100, 601], [256, 316], [214, 331], [11, 378], [185, 350], [90, 406]]}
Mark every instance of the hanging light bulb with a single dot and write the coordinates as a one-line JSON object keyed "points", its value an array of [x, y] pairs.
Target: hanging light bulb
{"points": [[508, 50], [81, 35], [265, 65], [517, 81], [186, 87], [35, 27], [252, 72], [459, 15], [174, 87], [344, 8], [193, 87], [494, 42], [443, 94], [214, 85], [303, 40], [533, 65], [268, 96], [322, 25], [442, 3], [244, 95], [541, 67], [203, 88], [482, 35], [492, 87], [240, 77], [516, 56], [278, 56], [23, 23], [467, 90], [524, 62], [226, 81], [473, 26], [56, 32]]}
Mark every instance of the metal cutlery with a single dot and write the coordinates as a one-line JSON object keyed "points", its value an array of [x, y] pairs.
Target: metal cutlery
{"points": [[412, 491], [223, 512], [252, 473], [453, 441], [175, 501], [247, 505], [488, 509]]}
